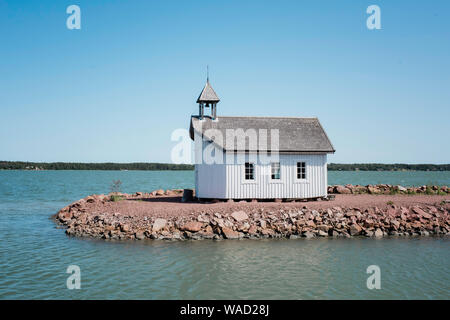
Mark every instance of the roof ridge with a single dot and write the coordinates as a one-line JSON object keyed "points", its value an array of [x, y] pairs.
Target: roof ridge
{"points": [[265, 117], [268, 117]]}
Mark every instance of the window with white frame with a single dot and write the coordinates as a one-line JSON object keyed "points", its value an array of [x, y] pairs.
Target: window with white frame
{"points": [[249, 171], [275, 170], [301, 170]]}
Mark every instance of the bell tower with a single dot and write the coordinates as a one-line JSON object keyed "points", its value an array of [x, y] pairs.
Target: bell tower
{"points": [[207, 98]]}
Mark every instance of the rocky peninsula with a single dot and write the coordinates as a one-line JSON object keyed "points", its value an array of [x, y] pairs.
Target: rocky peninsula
{"points": [[370, 211]]}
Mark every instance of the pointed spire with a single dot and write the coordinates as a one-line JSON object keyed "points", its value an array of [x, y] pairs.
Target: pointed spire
{"points": [[208, 94]]}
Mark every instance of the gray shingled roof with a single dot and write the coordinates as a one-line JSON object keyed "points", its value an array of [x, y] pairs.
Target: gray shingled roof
{"points": [[295, 134], [208, 94]]}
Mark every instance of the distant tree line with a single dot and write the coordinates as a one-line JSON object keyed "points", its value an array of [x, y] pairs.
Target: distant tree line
{"points": [[19, 165], [387, 167]]}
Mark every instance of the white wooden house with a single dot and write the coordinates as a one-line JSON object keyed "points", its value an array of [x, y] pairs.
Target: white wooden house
{"points": [[288, 160]]}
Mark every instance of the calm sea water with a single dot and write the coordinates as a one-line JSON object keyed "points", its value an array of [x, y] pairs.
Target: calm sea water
{"points": [[34, 254]]}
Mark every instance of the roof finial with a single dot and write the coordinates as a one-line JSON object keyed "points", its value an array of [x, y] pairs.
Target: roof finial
{"points": [[207, 73]]}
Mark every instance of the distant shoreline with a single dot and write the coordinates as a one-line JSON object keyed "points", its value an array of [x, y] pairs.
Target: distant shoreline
{"points": [[147, 166]]}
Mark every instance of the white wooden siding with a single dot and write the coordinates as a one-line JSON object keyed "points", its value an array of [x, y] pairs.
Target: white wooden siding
{"points": [[227, 181], [211, 181], [288, 186]]}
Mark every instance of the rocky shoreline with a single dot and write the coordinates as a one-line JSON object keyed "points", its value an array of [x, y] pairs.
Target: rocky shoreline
{"points": [[388, 189], [99, 216]]}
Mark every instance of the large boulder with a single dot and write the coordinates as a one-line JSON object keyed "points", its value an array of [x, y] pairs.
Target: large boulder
{"points": [[159, 224], [395, 224], [229, 233], [310, 223], [193, 226], [355, 229], [267, 232], [342, 190], [139, 235], [125, 227], [253, 230], [308, 234], [359, 189], [323, 228], [378, 233], [373, 190], [421, 213], [239, 215]]}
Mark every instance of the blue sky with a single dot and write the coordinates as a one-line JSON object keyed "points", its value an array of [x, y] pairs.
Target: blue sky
{"points": [[116, 89]]}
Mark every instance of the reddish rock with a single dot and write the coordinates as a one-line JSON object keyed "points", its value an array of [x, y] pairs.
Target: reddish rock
{"points": [[421, 213], [342, 190], [300, 223], [310, 223], [193, 226], [391, 212], [125, 228], [239, 215], [355, 229], [208, 229], [65, 215], [416, 225], [253, 230], [395, 224], [267, 232], [323, 228], [229, 233], [373, 190], [359, 189]]}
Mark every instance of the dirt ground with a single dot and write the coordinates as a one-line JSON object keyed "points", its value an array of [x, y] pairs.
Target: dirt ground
{"points": [[169, 206]]}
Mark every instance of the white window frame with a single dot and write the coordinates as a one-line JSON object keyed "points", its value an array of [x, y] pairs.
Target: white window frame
{"points": [[305, 171], [271, 172], [244, 173]]}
